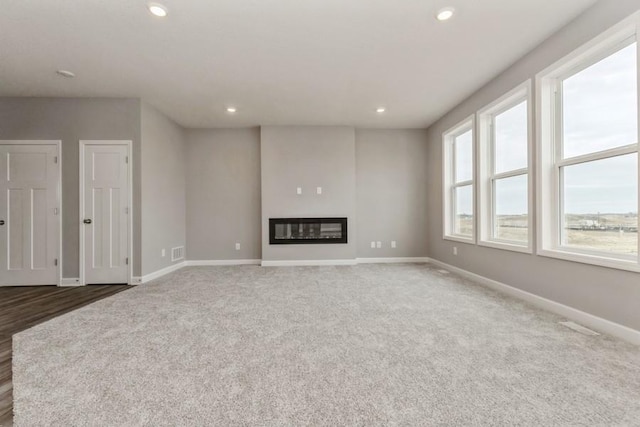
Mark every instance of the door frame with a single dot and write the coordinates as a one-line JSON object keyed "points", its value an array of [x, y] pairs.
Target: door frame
{"points": [[83, 144], [58, 144]]}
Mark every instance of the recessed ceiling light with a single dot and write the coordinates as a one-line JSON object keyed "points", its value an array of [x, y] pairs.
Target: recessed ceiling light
{"points": [[444, 14], [66, 73], [380, 110], [157, 9], [231, 110]]}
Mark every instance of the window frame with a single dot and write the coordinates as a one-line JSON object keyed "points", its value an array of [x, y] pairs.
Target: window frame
{"points": [[550, 161], [488, 176], [449, 180]]}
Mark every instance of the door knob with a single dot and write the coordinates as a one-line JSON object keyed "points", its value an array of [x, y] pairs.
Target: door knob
{"points": [[1, 221], [87, 221]]}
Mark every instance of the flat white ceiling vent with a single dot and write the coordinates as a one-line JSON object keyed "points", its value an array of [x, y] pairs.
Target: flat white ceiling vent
{"points": [[579, 328]]}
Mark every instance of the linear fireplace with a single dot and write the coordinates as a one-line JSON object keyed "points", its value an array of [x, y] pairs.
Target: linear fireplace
{"points": [[288, 231]]}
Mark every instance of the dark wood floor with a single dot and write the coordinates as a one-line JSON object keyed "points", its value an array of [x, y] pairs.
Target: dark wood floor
{"points": [[24, 307]]}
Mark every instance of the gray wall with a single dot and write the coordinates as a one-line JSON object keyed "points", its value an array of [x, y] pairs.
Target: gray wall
{"points": [[391, 187], [223, 194], [608, 293], [70, 120], [308, 157], [163, 170]]}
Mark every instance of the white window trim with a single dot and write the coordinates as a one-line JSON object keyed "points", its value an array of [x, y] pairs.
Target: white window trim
{"points": [[448, 179], [548, 181], [515, 96]]}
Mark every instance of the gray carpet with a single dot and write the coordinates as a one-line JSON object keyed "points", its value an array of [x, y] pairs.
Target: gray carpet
{"points": [[362, 345]]}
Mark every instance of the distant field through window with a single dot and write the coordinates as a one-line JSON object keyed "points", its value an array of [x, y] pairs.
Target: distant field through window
{"points": [[511, 218], [463, 200], [589, 153], [600, 204], [600, 182], [504, 171], [458, 147]]}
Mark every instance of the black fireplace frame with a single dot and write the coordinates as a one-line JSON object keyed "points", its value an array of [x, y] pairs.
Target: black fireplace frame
{"points": [[307, 241]]}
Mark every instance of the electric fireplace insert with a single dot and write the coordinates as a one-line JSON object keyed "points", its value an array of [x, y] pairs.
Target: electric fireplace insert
{"points": [[288, 231]]}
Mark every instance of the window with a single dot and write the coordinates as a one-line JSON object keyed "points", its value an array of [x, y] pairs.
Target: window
{"points": [[588, 175], [458, 146], [504, 189]]}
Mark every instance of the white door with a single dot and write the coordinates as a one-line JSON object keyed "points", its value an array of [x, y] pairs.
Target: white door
{"points": [[29, 220], [104, 216]]}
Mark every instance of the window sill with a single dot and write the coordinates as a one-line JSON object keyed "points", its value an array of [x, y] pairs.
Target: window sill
{"points": [[514, 247], [461, 239], [596, 260]]}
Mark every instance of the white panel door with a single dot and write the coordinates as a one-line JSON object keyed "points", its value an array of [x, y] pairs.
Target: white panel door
{"points": [[29, 221], [105, 212]]}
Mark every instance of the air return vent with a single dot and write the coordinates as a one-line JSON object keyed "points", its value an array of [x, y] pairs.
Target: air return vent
{"points": [[177, 253]]}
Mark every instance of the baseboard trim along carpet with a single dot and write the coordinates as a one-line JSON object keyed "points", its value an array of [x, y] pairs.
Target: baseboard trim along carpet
{"points": [[194, 263], [157, 274], [392, 260], [215, 262], [586, 319], [308, 262], [311, 262]]}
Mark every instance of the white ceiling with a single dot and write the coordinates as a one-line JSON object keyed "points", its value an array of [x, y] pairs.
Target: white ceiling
{"points": [[281, 62]]}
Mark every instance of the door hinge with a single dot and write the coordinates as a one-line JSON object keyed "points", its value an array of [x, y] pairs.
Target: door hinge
{"points": [[55, 211], [55, 159], [126, 260], [55, 262], [126, 159], [126, 210]]}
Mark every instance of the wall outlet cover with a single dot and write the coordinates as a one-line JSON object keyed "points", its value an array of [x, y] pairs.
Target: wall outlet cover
{"points": [[373, 245], [393, 243], [378, 245], [237, 246]]}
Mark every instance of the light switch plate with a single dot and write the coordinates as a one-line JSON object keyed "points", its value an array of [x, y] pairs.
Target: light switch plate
{"points": [[299, 190], [373, 245], [319, 190], [393, 243], [237, 246], [378, 245]]}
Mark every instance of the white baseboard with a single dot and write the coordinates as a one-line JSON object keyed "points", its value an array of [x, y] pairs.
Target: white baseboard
{"points": [[157, 274], [311, 262], [586, 319], [215, 262], [305, 262], [70, 281], [391, 260], [308, 262]]}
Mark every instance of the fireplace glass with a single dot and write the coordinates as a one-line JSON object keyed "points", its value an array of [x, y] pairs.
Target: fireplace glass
{"points": [[284, 231]]}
